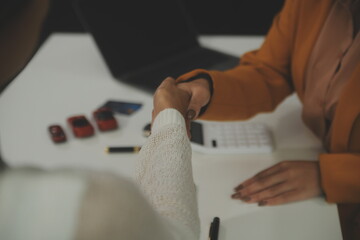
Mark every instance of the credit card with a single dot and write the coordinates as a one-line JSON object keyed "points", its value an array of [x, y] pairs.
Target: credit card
{"points": [[126, 108]]}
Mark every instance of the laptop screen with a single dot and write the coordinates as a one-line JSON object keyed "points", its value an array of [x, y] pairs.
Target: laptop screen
{"points": [[132, 34]]}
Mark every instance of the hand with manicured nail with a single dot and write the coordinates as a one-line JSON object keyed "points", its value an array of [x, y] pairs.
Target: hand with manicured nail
{"points": [[285, 182], [199, 91]]}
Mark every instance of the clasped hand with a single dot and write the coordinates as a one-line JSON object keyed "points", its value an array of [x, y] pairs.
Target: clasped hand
{"points": [[187, 98]]}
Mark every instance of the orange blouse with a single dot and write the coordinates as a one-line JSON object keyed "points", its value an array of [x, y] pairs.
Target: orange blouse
{"points": [[332, 61]]}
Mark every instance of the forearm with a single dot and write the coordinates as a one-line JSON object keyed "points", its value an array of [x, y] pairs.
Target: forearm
{"points": [[164, 171], [241, 93]]}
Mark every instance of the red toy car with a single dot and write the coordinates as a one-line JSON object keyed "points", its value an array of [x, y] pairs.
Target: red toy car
{"points": [[80, 126], [57, 134], [105, 120]]}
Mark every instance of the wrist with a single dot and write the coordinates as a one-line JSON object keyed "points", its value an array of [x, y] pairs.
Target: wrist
{"points": [[202, 78], [167, 116]]}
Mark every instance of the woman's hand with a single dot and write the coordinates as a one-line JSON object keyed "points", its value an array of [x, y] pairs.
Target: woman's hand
{"points": [[199, 91], [168, 95], [284, 182], [187, 98]]}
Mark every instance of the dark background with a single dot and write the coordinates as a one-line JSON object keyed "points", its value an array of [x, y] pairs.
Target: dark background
{"points": [[229, 17]]}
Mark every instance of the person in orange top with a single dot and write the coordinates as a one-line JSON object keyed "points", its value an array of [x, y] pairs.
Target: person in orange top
{"points": [[312, 49]]}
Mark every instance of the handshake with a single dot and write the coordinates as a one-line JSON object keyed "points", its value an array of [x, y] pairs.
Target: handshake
{"points": [[186, 97]]}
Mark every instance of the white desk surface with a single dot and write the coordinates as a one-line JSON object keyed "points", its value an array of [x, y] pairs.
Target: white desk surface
{"points": [[68, 76]]}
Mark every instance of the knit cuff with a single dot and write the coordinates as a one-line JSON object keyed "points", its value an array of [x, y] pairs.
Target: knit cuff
{"points": [[167, 116]]}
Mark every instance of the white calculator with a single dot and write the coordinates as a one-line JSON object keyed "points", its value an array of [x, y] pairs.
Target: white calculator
{"points": [[231, 137]]}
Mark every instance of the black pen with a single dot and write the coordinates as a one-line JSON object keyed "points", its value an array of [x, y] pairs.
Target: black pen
{"points": [[214, 229], [134, 149], [210, 230]]}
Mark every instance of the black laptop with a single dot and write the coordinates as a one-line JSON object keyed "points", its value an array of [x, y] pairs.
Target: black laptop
{"points": [[145, 41]]}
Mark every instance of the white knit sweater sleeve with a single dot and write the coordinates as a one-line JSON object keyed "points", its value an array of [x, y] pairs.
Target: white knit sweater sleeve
{"points": [[164, 172]]}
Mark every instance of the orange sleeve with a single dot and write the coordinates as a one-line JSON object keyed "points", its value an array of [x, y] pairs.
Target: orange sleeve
{"points": [[263, 77], [340, 177]]}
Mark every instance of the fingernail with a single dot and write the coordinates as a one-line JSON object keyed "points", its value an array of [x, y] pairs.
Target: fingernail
{"points": [[246, 199], [262, 203], [190, 114], [236, 195], [239, 187]]}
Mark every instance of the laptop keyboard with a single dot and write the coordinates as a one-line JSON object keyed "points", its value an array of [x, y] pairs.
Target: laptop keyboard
{"points": [[205, 58]]}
